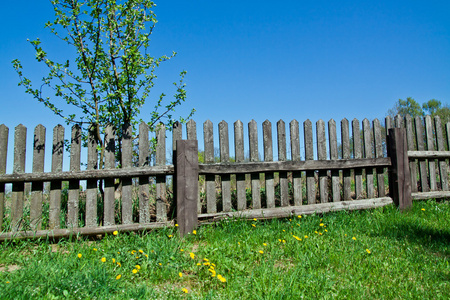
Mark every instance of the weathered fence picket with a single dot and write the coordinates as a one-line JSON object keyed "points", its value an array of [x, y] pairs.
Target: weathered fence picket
{"points": [[418, 122], [240, 157], [210, 180], [443, 167], [144, 161], [37, 187], [345, 140], [335, 180], [322, 155], [268, 156], [225, 158], [74, 184], [357, 154], [367, 142], [160, 157], [17, 196], [110, 163], [253, 145], [4, 132], [295, 154], [309, 155], [283, 181]]}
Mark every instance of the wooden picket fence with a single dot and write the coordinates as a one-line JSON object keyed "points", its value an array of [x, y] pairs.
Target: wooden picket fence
{"points": [[346, 173]]}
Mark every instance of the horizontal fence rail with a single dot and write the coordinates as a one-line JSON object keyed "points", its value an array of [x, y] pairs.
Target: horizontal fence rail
{"points": [[319, 168]]}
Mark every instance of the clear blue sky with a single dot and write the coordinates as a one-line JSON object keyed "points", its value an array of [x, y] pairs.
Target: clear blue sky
{"points": [[265, 59]]}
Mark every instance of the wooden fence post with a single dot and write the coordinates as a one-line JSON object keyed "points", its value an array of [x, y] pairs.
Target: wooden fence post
{"points": [[186, 173], [399, 174]]}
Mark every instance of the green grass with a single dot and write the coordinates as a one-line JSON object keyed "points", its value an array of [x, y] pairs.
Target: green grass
{"points": [[408, 259]]}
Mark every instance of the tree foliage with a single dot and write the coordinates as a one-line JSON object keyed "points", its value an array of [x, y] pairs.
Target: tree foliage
{"points": [[410, 106], [113, 72]]}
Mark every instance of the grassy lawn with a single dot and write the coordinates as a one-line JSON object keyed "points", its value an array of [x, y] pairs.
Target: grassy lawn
{"points": [[375, 254]]}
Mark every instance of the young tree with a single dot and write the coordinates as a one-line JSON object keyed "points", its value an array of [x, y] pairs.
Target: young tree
{"points": [[113, 72], [406, 107]]}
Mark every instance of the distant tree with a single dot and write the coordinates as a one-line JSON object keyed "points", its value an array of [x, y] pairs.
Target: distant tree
{"points": [[406, 107], [113, 72], [435, 108]]}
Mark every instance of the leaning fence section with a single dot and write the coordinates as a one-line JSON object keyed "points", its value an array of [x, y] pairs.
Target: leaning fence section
{"points": [[318, 169]]}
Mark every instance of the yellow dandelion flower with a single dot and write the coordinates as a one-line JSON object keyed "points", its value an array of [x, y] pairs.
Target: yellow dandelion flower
{"points": [[133, 252], [205, 259], [260, 251], [299, 216], [170, 235], [315, 232], [118, 277], [264, 244], [321, 224], [206, 264], [160, 264], [239, 243], [115, 232], [118, 252], [297, 238], [185, 290], [153, 251], [326, 230], [306, 236], [354, 238], [194, 231], [113, 260], [345, 234], [8, 282], [181, 250], [423, 209], [254, 219], [213, 265], [79, 255], [320, 233], [146, 255], [103, 259], [253, 225], [290, 220], [95, 249], [134, 271], [221, 278], [137, 267], [199, 264], [119, 264], [141, 251], [368, 251], [192, 255], [284, 230], [176, 225], [279, 240], [284, 241], [180, 274]]}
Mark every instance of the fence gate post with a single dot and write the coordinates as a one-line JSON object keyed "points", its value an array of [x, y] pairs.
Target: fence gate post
{"points": [[399, 174], [186, 174]]}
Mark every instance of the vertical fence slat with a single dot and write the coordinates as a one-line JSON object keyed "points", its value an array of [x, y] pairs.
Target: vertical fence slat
{"points": [[281, 142], [398, 121], [110, 163], [420, 146], [17, 196], [367, 139], [430, 147], [37, 187], [127, 153], [378, 147], [74, 185], [4, 132], [309, 155], [160, 160], [91, 184], [268, 156], [225, 158], [322, 155], [295, 156], [357, 153], [191, 134], [345, 137], [443, 167], [335, 184], [240, 157], [54, 221], [253, 144], [144, 161], [210, 180], [411, 147]]}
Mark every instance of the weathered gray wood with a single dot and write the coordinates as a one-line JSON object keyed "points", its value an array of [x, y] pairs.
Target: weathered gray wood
{"points": [[292, 211], [399, 179], [268, 156], [447, 133], [322, 155], [4, 132], [443, 167], [367, 140], [74, 185], [399, 121], [160, 160], [357, 153], [187, 185], [345, 140], [430, 195], [411, 147], [378, 154], [91, 184], [127, 153], [55, 185], [295, 156], [224, 146], [37, 187], [84, 231], [335, 182], [110, 164], [239, 154], [388, 124], [422, 162], [210, 180], [430, 147], [281, 142], [191, 133], [144, 161], [253, 144], [17, 196], [309, 155], [429, 154]]}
